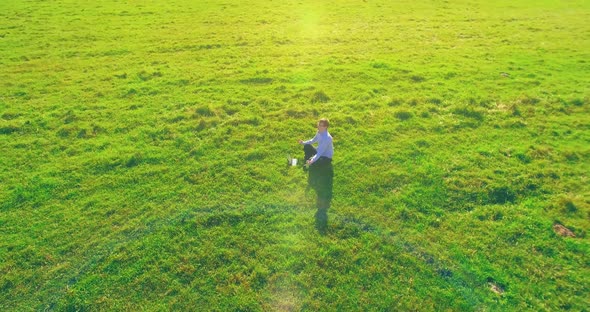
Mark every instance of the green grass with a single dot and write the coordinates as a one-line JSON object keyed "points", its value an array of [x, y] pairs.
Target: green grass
{"points": [[142, 149]]}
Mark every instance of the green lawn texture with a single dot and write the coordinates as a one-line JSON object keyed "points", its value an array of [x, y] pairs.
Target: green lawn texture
{"points": [[143, 149]]}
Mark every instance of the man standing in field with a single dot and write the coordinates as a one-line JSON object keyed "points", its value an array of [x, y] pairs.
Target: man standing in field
{"points": [[321, 172]]}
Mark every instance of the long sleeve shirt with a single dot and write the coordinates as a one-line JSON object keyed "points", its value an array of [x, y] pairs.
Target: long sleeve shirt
{"points": [[325, 146]]}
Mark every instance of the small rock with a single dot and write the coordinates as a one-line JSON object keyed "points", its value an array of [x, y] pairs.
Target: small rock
{"points": [[504, 74], [563, 231], [496, 289]]}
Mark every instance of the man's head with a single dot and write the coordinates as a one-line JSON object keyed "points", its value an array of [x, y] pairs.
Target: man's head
{"points": [[323, 124]]}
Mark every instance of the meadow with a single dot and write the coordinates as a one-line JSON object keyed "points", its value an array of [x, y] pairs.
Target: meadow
{"points": [[143, 149]]}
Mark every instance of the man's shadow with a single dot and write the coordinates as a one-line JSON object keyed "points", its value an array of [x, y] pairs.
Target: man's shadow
{"points": [[321, 221], [321, 180]]}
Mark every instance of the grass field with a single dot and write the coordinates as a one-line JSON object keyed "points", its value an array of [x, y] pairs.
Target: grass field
{"points": [[143, 148]]}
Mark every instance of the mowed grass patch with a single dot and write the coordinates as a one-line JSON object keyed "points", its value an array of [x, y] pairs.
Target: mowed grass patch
{"points": [[143, 151]]}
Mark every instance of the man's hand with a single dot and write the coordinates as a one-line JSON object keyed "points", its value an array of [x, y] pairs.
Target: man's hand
{"points": [[300, 141], [309, 162]]}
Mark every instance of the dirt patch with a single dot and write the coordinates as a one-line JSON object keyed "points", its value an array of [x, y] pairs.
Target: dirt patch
{"points": [[563, 231]]}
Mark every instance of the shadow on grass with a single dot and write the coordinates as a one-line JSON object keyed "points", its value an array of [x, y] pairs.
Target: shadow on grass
{"points": [[321, 220]]}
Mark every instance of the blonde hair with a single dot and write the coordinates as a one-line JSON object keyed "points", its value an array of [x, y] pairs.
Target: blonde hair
{"points": [[325, 122]]}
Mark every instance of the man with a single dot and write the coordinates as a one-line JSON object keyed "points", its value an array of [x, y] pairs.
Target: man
{"points": [[321, 172]]}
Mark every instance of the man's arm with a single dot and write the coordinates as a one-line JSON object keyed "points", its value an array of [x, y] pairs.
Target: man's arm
{"points": [[315, 139]]}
